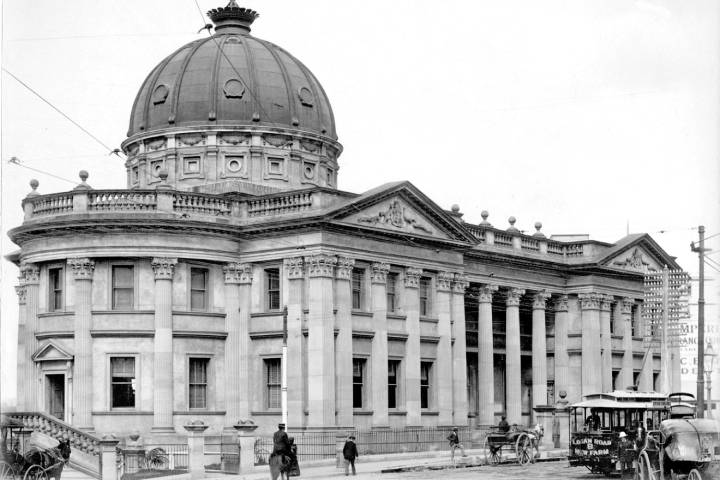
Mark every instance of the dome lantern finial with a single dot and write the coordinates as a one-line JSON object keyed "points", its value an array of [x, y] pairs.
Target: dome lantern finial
{"points": [[232, 16]]}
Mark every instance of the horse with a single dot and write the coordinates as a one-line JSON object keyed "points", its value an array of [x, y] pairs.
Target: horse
{"points": [[279, 465], [52, 460], [536, 436]]}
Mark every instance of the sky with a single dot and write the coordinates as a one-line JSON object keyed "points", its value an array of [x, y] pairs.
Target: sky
{"points": [[590, 116]]}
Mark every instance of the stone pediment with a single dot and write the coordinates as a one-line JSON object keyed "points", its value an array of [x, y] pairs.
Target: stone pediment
{"points": [[636, 259], [397, 215], [51, 352]]}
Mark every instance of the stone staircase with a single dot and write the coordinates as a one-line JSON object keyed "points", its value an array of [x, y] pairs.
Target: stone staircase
{"points": [[85, 448]]}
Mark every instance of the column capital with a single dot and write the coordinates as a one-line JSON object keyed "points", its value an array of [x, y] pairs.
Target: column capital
{"points": [[21, 291], [561, 304], [238, 273], [321, 265], [444, 281], [29, 274], [344, 268], [82, 268], [164, 267], [295, 268], [626, 305], [540, 299], [460, 283], [606, 302], [379, 272], [513, 297], [412, 277], [589, 301], [485, 293]]}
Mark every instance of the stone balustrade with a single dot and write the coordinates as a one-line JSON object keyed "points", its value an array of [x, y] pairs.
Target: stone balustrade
{"points": [[280, 204], [39, 422]]}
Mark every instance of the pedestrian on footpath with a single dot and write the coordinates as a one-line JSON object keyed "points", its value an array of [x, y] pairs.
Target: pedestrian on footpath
{"points": [[350, 453], [454, 440]]}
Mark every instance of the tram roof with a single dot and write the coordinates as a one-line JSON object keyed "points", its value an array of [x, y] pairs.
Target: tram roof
{"points": [[621, 399]]}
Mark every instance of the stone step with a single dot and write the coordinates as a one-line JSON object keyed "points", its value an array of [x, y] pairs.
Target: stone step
{"points": [[70, 473]]}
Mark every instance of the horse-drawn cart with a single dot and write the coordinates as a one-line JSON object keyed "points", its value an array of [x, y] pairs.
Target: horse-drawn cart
{"points": [[522, 442], [683, 449], [40, 458]]}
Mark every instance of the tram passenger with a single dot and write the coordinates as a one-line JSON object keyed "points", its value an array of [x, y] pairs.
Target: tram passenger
{"points": [[592, 422]]}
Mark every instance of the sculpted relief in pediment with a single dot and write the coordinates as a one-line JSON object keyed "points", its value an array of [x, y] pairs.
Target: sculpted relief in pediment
{"points": [[637, 260], [395, 214]]}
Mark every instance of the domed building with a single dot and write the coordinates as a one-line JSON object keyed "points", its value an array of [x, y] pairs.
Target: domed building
{"points": [[146, 307]]}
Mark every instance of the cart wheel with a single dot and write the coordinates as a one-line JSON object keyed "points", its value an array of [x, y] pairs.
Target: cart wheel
{"points": [[6, 471], [524, 449], [492, 455], [35, 472], [644, 470], [694, 475]]}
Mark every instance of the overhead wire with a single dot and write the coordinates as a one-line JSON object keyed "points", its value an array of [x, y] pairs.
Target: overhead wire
{"points": [[67, 117]]}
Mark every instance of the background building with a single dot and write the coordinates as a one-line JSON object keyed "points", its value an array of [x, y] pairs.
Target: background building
{"points": [[142, 307]]}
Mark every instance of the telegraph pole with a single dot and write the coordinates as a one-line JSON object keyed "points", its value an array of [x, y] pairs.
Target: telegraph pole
{"points": [[701, 322]]}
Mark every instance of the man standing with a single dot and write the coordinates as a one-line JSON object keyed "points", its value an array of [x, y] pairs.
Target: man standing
{"points": [[280, 457], [454, 440], [350, 453], [281, 444]]}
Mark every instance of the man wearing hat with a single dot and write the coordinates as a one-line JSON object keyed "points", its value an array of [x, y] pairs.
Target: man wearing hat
{"points": [[281, 444], [350, 453], [454, 440]]}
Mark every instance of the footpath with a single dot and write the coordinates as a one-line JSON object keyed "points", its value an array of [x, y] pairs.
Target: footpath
{"points": [[398, 462]]}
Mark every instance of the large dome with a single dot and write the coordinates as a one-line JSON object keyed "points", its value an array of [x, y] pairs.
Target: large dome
{"points": [[231, 79]]}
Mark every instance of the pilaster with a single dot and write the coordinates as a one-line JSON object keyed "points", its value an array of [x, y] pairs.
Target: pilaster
{"points": [[24, 363], [444, 376], [562, 362], [606, 342], [82, 270], [343, 342], [295, 271], [379, 360], [321, 341], [164, 269], [539, 350], [237, 388], [411, 307], [459, 351], [486, 366], [591, 359], [626, 373], [513, 373]]}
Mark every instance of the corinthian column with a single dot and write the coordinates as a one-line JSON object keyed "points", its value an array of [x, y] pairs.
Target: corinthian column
{"points": [[30, 274], [238, 276], [626, 373], [459, 356], [591, 360], [513, 373], [321, 342], [344, 343], [486, 366], [379, 360], [295, 271], [163, 345], [606, 342], [411, 307], [444, 374], [562, 362], [539, 350], [24, 363], [82, 269]]}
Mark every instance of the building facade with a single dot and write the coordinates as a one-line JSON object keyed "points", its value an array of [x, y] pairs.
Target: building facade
{"points": [[145, 307]]}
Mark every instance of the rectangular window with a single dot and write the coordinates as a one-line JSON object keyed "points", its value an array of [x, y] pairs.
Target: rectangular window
{"points": [[633, 323], [198, 288], [612, 321], [55, 288], [122, 379], [425, 370], [390, 291], [615, 375], [393, 377], [358, 381], [273, 385], [272, 288], [192, 164], [358, 278], [197, 382], [424, 296], [123, 286]]}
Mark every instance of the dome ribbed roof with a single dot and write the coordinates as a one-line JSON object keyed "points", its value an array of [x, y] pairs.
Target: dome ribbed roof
{"points": [[232, 79]]}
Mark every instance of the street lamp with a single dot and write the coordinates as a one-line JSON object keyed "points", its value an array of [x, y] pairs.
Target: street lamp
{"points": [[708, 359]]}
